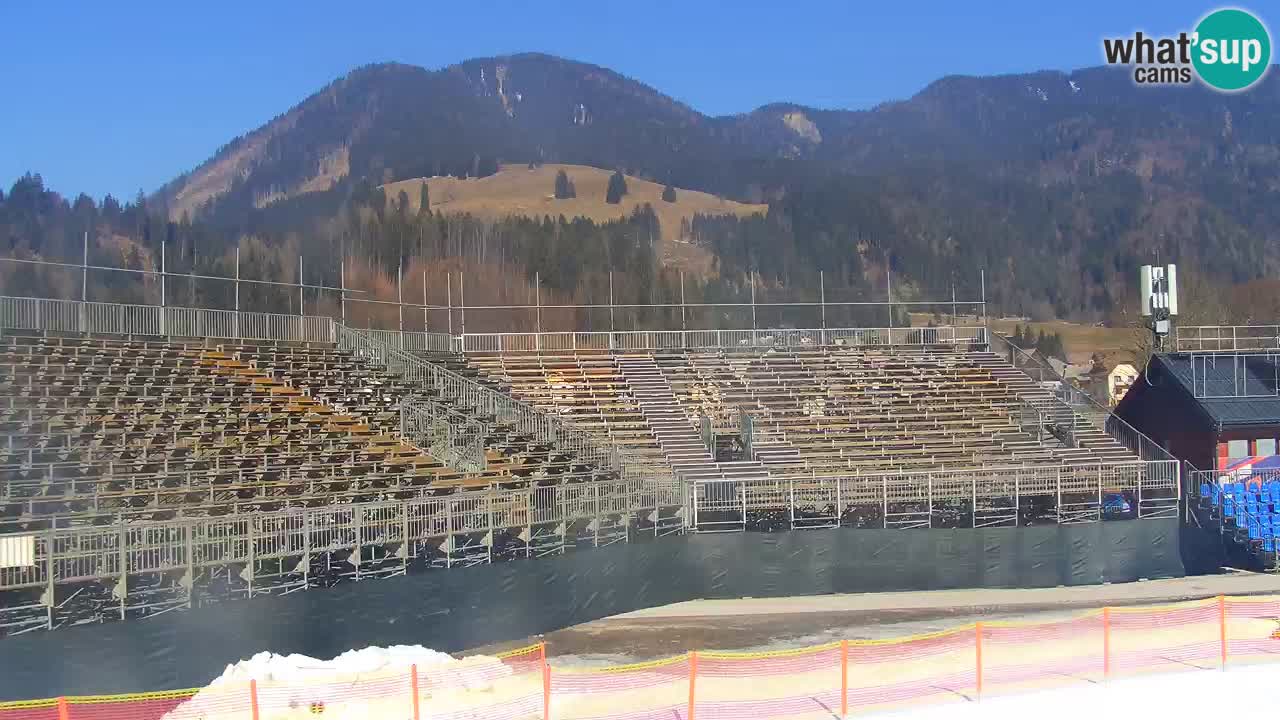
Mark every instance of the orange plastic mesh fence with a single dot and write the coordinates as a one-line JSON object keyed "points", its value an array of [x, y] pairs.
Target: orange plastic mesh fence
{"points": [[989, 658]]}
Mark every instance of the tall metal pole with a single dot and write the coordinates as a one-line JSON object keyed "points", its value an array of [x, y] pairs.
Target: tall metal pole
{"points": [[888, 285], [611, 301], [400, 296], [300, 313], [163, 273], [342, 284], [462, 300], [84, 270], [982, 277], [822, 297], [344, 317], [753, 300], [953, 303], [537, 295], [424, 300], [84, 286], [683, 324], [448, 284]]}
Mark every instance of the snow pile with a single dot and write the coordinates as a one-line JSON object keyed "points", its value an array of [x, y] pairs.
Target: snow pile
{"points": [[271, 668], [370, 682]]}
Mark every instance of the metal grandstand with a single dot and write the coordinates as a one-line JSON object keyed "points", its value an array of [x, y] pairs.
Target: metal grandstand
{"points": [[163, 457]]}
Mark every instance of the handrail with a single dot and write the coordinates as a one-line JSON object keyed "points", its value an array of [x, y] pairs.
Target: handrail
{"points": [[455, 438], [77, 316], [484, 400], [1067, 396], [1226, 338], [1044, 370], [569, 341]]}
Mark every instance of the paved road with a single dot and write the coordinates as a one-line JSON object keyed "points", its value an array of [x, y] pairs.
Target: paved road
{"points": [[751, 624]]}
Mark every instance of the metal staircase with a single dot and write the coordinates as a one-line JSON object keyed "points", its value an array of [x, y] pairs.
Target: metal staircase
{"points": [[689, 457], [1076, 428], [772, 448]]}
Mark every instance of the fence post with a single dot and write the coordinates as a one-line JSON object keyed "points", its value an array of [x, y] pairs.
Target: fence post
{"points": [[413, 684], [253, 699], [977, 646], [237, 296], [163, 305], [1222, 627], [1106, 643], [546, 682], [693, 678], [844, 678], [64, 710]]}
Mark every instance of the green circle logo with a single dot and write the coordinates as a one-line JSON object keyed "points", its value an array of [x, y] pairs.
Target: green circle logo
{"points": [[1232, 49]]}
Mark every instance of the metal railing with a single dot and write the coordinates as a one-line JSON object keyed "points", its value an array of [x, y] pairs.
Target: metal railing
{"points": [[699, 339], [109, 552], [480, 399], [76, 554], [414, 341], [1032, 365], [1244, 523], [1031, 419], [727, 504], [1071, 407], [74, 316], [454, 438], [1252, 374], [1212, 338]]}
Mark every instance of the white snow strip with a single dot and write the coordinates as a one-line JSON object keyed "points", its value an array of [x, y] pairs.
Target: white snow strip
{"points": [[1193, 694]]}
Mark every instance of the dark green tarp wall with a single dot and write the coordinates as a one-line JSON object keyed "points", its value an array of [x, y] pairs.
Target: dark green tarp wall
{"points": [[457, 609]]}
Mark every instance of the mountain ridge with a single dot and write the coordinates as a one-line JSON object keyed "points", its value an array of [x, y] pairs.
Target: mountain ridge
{"points": [[1052, 172]]}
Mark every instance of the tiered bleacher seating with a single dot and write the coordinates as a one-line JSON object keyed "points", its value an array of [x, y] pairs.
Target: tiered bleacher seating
{"points": [[1091, 440], [1250, 509], [872, 409], [100, 429], [587, 390], [838, 410]]}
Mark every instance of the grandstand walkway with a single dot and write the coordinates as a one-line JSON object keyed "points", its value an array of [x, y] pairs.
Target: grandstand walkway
{"points": [[1088, 440], [688, 455]]}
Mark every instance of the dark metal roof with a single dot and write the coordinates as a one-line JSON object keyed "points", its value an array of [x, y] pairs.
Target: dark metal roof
{"points": [[1238, 389]]}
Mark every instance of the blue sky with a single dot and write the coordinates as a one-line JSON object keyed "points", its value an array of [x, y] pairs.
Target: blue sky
{"points": [[115, 97]]}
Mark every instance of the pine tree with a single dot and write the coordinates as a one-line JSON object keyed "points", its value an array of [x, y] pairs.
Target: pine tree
{"points": [[1057, 348], [424, 199], [669, 193], [1019, 337], [564, 186], [617, 188]]}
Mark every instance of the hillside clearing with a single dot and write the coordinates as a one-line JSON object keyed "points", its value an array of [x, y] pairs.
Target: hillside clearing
{"points": [[520, 190]]}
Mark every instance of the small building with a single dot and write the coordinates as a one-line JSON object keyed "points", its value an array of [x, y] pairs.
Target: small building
{"points": [[1119, 380], [1210, 409]]}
